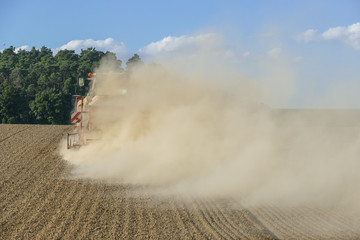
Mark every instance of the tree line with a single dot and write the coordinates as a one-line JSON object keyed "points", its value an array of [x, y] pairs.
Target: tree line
{"points": [[36, 86]]}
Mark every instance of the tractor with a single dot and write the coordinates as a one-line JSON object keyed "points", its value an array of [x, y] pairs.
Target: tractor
{"points": [[80, 117]]}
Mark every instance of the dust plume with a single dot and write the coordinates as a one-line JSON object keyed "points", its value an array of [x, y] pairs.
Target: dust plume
{"points": [[205, 131]]}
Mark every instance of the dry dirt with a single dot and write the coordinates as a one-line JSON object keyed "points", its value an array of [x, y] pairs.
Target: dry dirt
{"points": [[38, 200]]}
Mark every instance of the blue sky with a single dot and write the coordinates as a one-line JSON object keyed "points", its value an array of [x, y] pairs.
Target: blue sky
{"points": [[137, 23], [319, 39]]}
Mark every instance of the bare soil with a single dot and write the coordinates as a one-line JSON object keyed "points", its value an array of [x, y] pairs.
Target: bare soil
{"points": [[38, 200]]}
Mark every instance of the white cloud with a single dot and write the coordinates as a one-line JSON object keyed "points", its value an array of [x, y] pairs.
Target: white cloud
{"points": [[108, 44], [246, 54], [25, 47], [349, 35], [204, 47], [195, 53], [267, 35], [275, 52], [182, 43], [334, 33], [307, 36], [298, 59]]}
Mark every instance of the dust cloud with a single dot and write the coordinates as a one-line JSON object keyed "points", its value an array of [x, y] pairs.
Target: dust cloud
{"points": [[206, 131]]}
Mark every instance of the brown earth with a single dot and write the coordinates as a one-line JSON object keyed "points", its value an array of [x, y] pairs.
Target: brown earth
{"points": [[38, 200]]}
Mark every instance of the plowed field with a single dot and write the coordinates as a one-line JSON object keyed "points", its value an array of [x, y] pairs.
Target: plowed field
{"points": [[38, 200]]}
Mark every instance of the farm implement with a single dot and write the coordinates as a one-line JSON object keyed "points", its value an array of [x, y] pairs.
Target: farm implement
{"points": [[80, 118]]}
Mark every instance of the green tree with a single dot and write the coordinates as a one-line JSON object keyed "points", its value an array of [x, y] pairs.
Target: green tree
{"points": [[36, 86], [134, 61], [51, 106], [110, 58], [8, 61], [13, 107]]}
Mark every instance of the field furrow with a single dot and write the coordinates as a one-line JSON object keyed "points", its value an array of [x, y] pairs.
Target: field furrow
{"points": [[40, 199]]}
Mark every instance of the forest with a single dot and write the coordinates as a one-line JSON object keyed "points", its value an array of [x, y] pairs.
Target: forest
{"points": [[36, 86]]}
